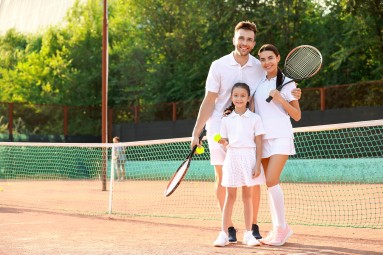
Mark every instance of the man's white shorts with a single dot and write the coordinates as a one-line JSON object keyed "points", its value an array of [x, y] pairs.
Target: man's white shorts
{"points": [[217, 151]]}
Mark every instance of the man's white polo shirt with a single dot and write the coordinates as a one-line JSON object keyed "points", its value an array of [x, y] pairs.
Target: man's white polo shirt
{"points": [[225, 72]]}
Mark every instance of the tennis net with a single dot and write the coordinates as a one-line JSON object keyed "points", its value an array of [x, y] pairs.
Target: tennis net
{"points": [[335, 179]]}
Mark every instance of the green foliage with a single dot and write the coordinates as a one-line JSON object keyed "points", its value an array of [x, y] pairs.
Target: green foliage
{"points": [[161, 50]]}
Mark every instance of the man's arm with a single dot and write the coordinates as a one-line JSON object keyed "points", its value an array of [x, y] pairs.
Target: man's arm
{"points": [[205, 111]]}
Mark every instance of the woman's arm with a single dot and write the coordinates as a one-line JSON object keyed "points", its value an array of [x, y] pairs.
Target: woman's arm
{"points": [[292, 107]]}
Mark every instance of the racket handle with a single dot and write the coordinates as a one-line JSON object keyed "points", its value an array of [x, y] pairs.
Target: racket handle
{"points": [[279, 88]]}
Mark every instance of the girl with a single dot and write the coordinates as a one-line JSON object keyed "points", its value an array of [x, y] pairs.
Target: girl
{"points": [[277, 143], [241, 132]]}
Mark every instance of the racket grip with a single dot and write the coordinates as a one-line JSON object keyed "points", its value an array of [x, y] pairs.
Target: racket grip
{"points": [[269, 99]]}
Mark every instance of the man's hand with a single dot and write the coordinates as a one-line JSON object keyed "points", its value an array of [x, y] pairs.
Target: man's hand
{"points": [[297, 93], [195, 141]]}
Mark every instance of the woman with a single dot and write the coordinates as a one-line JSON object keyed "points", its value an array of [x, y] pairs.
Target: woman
{"points": [[277, 143]]}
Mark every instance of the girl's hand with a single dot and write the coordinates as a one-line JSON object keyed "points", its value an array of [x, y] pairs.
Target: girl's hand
{"points": [[256, 171], [224, 142]]}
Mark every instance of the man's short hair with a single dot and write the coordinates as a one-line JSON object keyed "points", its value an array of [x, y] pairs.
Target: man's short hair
{"points": [[247, 25]]}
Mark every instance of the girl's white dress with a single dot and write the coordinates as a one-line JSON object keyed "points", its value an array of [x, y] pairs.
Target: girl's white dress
{"points": [[241, 151]]}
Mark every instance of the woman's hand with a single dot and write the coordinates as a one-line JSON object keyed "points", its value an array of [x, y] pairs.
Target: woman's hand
{"points": [[277, 96]]}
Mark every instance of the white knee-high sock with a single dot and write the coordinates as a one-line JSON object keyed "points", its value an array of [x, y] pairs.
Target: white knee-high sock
{"points": [[277, 198], [272, 211]]}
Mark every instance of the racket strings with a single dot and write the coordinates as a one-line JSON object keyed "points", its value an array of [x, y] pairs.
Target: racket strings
{"points": [[177, 178], [303, 63]]}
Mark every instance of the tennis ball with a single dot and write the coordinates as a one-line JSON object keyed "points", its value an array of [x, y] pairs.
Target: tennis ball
{"points": [[217, 137], [200, 150]]}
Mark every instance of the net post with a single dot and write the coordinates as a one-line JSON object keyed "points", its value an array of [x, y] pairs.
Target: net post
{"points": [[322, 98], [174, 111], [10, 121], [110, 124], [65, 110], [136, 112], [104, 91]]}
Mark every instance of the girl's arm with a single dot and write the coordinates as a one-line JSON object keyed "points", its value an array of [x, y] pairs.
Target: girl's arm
{"points": [[224, 142], [258, 150]]}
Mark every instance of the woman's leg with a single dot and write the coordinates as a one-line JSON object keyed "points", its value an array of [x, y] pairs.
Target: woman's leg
{"points": [[269, 237], [274, 169]]}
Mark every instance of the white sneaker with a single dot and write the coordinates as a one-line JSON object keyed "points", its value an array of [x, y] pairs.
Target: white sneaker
{"points": [[222, 240], [249, 239], [280, 236], [268, 238]]}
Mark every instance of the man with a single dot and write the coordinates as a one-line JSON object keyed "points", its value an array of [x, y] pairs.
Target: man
{"points": [[119, 157], [238, 66]]}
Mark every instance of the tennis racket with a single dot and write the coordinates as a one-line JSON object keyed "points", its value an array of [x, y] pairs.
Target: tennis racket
{"points": [[180, 173], [301, 63]]}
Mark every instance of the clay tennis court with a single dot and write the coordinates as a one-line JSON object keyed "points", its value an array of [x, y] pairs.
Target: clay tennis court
{"points": [[71, 217]]}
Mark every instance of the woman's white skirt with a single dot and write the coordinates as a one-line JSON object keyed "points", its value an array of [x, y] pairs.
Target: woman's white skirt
{"points": [[281, 146], [238, 166]]}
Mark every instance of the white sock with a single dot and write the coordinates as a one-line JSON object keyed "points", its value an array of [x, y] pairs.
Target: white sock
{"points": [[272, 211], [277, 199]]}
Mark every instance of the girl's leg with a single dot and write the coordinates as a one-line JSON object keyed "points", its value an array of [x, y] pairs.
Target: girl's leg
{"points": [[231, 195], [248, 238], [247, 206], [227, 210], [256, 202], [220, 191]]}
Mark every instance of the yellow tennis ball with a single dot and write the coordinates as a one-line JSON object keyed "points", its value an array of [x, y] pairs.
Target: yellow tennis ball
{"points": [[200, 150], [217, 137]]}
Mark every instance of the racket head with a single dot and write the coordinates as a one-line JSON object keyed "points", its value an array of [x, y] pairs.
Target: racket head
{"points": [[180, 173], [177, 177], [303, 62]]}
